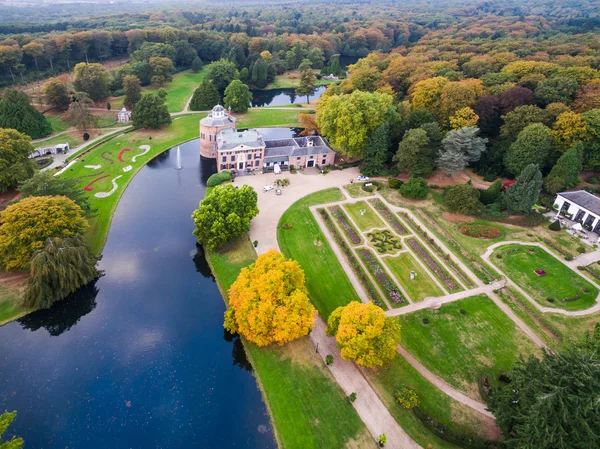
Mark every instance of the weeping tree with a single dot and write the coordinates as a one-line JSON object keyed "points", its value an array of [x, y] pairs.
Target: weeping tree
{"points": [[58, 269], [6, 420]]}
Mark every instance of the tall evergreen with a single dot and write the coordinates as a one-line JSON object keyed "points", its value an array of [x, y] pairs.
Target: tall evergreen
{"points": [[205, 97], [17, 113], [376, 151], [565, 174], [260, 73], [522, 195], [307, 81]]}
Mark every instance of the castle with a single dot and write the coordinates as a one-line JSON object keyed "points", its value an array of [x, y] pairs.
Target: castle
{"points": [[247, 150]]}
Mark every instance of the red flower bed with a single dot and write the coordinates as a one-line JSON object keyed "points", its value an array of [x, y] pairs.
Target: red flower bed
{"points": [[120, 157], [391, 218], [345, 224], [88, 187], [480, 231], [388, 285], [439, 271]]}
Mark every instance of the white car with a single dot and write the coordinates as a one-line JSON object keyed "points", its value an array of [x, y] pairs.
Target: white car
{"points": [[267, 188], [362, 178]]}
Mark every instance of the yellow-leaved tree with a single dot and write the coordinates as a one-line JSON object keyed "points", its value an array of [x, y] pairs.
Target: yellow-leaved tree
{"points": [[464, 117], [569, 128], [364, 333], [268, 302]]}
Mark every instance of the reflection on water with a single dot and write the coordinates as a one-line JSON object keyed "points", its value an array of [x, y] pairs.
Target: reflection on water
{"points": [[281, 97]]}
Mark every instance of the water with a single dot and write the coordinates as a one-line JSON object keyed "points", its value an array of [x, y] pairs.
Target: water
{"points": [[140, 358], [281, 97]]}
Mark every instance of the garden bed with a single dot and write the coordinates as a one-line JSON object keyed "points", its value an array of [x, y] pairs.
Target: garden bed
{"points": [[440, 273], [385, 282], [480, 231], [343, 221], [384, 241], [389, 216]]}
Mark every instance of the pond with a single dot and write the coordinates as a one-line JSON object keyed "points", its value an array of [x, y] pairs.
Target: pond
{"points": [[281, 97], [139, 359]]}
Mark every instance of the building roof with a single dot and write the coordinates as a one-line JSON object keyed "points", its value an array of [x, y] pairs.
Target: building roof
{"points": [[230, 138], [217, 117], [583, 199]]}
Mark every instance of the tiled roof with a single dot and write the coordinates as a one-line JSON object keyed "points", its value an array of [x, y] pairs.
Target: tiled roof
{"points": [[583, 199]]}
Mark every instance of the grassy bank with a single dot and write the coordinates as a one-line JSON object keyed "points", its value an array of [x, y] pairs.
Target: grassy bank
{"points": [[10, 303]]}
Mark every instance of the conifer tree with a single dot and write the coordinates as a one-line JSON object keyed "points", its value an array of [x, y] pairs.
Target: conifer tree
{"points": [[307, 81], [565, 174], [522, 195]]}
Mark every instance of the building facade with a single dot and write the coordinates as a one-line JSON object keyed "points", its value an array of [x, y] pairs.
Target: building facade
{"points": [[124, 116], [217, 121], [580, 206]]}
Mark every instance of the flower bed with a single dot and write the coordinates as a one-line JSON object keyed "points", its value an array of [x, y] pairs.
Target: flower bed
{"points": [[480, 231], [440, 273], [341, 218], [106, 157], [384, 241], [389, 217], [351, 258], [391, 289], [88, 186], [120, 156]]}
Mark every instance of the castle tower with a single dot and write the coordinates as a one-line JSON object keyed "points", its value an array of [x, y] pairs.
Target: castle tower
{"points": [[210, 126]]}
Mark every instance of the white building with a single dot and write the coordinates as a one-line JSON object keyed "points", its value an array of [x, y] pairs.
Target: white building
{"points": [[59, 148], [123, 116], [580, 206]]}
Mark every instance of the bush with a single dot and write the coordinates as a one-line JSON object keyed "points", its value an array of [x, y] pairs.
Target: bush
{"points": [[594, 180], [255, 243], [492, 193], [480, 231], [554, 226], [462, 198], [568, 258], [218, 178], [394, 183], [415, 188], [86, 137], [287, 226], [118, 93], [375, 185], [329, 359], [352, 397], [581, 249], [407, 398], [425, 320]]}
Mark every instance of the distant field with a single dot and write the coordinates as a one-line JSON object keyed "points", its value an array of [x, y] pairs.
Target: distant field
{"points": [[291, 79]]}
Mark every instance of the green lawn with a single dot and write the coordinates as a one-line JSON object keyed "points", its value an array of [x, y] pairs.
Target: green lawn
{"points": [[257, 117], [368, 220], [291, 79], [418, 288], [73, 138], [461, 347], [355, 190], [327, 282], [10, 304], [180, 89], [307, 407], [519, 263], [58, 124]]}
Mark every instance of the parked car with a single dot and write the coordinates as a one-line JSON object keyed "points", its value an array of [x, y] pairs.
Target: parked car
{"points": [[362, 178], [267, 188], [278, 192]]}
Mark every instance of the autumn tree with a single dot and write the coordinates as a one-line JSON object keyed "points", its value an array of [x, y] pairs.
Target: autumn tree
{"points": [[6, 420], [514, 97], [79, 114], [35, 50], [25, 226], [460, 94], [308, 123], [588, 97], [237, 96], [224, 214], [92, 79], [364, 333], [221, 73], [460, 147], [162, 70], [307, 84], [205, 97], [523, 194], [426, 94], [569, 128], [151, 112], [565, 173], [376, 151], [57, 94], [15, 165], [46, 184], [532, 146], [463, 117], [347, 130], [17, 113], [133, 90], [488, 111], [268, 302]]}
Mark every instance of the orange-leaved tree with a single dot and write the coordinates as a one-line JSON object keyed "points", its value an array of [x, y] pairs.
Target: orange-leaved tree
{"points": [[364, 333], [268, 303]]}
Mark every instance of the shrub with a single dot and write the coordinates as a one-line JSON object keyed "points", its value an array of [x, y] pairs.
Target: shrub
{"points": [[463, 312], [287, 226], [394, 183], [594, 180], [329, 359], [425, 320], [550, 299], [554, 226], [415, 188], [480, 231], [118, 93], [581, 249], [352, 397], [492, 193], [86, 137], [218, 178], [568, 258], [407, 398], [462, 198], [382, 439]]}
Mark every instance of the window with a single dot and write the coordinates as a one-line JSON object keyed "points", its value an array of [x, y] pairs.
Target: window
{"points": [[232, 158], [223, 166], [202, 136], [256, 162], [298, 158], [249, 157], [224, 159], [324, 162]]}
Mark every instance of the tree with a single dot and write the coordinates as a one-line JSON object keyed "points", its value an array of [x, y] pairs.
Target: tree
{"points": [[569, 128], [552, 402], [426, 93], [15, 165], [150, 112], [516, 120], [492, 193], [79, 114], [162, 70], [260, 73], [25, 226], [17, 113], [224, 214], [556, 90], [460, 147], [464, 117], [588, 97], [237, 96], [376, 151], [565, 173], [532, 146], [488, 110], [346, 129], [58, 269], [133, 90], [522, 195], [514, 97], [460, 94], [197, 65], [6, 420], [92, 79], [142, 70], [364, 334], [46, 184], [413, 153], [307, 84], [462, 198], [35, 50], [221, 73], [205, 97], [415, 188], [268, 303], [56, 94]]}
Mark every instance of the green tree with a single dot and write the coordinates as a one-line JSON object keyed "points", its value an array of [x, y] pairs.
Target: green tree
{"points": [[133, 90], [552, 402], [150, 112], [162, 70], [57, 94], [259, 73], [205, 97], [6, 420], [221, 73], [307, 84], [92, 79], [532, 146], [375, 154], [224, 214], [347, 129], [565, 173], [460, 147], [556, 90], [522, 195], [142, 70], [414, 153], [58, 269], [197, 65], [462, 198], [15, 165], [492, 193], [79, 114], [415, 188], [25, 226], [17, 113], [46, 184], [520, 117], [237, 96]]}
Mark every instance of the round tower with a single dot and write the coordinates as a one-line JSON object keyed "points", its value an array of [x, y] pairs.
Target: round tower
{"points": [[210, 126]]}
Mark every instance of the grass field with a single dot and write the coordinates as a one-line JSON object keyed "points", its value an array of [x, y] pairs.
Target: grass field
{"points": [[355, 190], [418, 288], [327, 282], [180, 89], [368, 220], [10, 304], [307, 407], [291, 79], [460, 347], [560, 282]]}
